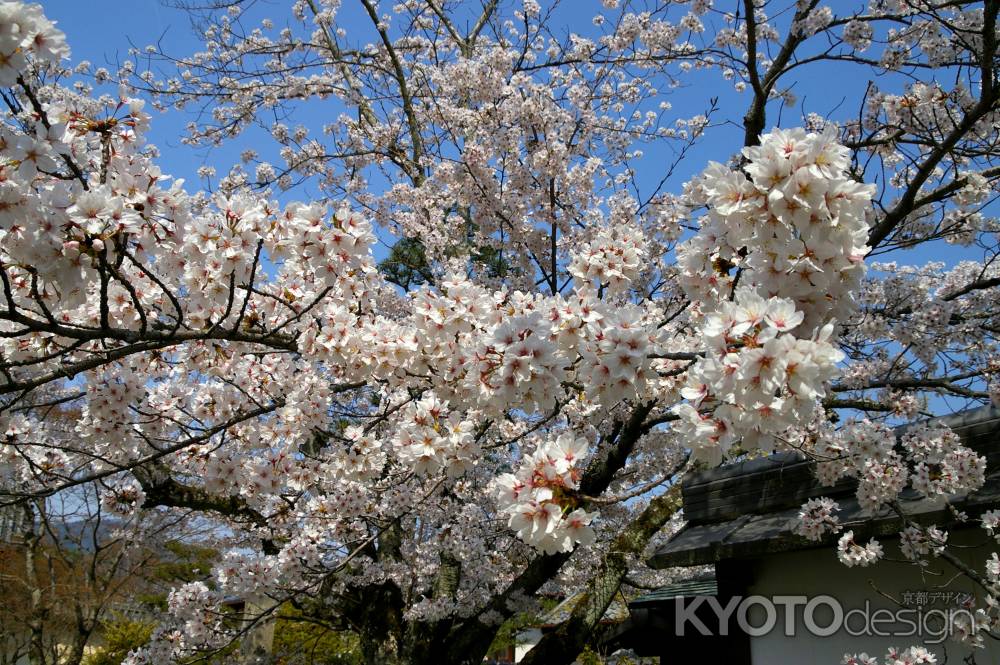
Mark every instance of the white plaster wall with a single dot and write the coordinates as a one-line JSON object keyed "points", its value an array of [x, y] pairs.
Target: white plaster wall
{"points": [[525, 642], [818, 572]]}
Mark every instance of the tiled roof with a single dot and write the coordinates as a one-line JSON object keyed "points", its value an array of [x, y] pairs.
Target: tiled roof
{"points": [[750, 509], [685, 589]]}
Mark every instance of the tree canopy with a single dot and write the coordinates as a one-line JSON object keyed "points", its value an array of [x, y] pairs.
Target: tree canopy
{"points": [[411, 443]]}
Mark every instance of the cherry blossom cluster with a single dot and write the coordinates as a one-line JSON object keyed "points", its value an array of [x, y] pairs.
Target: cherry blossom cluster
{"points": [[851, 553], [817, 518], [24, 31], [496, 351], [538, 498], [124, 499], [927, 458], [362, 460], [520, 364], [431, 438], [991, 522], [933, 461], [757, 377], [894, 656], [194, 607], [792, 224], [614, 259], [774, 265], [916, 542], [615, 356], [943, 466]]}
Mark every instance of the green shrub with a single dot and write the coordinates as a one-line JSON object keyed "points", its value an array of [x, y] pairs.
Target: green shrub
{"points": [[121, 635]]}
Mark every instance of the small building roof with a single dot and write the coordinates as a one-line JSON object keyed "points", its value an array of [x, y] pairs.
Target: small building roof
{"points": [[686, 589], [751, 508]]}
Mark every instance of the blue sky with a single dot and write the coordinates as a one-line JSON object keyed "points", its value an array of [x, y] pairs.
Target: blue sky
{"points": [[102, 31]]}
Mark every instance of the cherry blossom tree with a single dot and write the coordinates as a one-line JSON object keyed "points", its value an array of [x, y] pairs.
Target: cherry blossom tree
{"points": [[413, 447]]}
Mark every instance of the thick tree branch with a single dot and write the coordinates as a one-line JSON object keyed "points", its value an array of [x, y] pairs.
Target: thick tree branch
{"points": [[562, 645], [468, 640]]}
